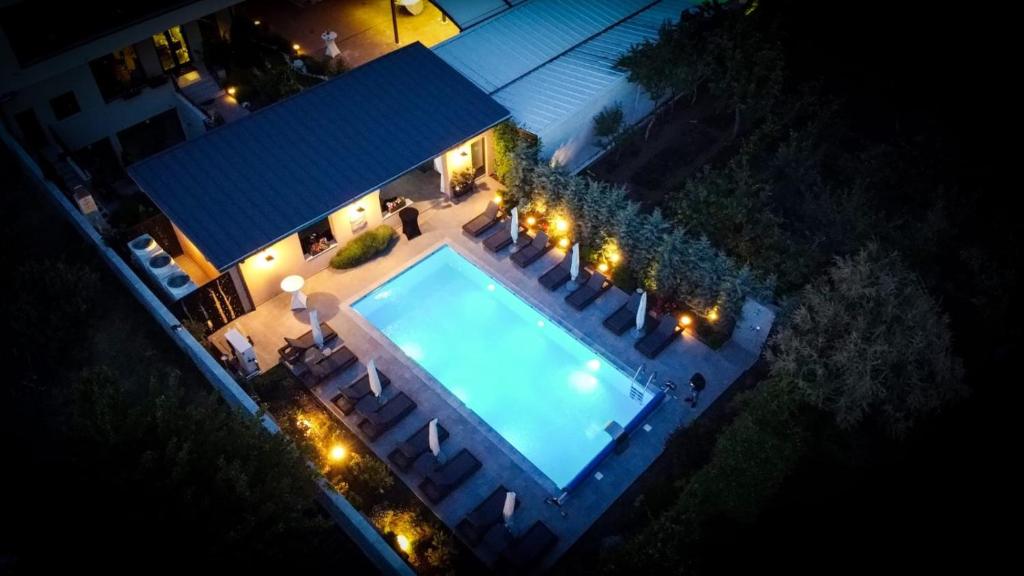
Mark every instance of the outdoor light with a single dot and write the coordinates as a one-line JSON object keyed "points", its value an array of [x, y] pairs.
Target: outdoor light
{"points": [[232, 90], [403, 543], [602, 267], [561, 225], [531, 221], [614, 257], [563, 243], [497, 199], [337, 453], [256, 22], [296, 47], [713, 314], [685, 320]]}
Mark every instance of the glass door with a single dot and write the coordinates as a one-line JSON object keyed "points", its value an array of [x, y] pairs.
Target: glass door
{"points": [[172, 49]]}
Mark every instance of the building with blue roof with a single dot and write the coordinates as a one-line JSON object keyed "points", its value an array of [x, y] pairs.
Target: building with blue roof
{"points": [[283, 183]]}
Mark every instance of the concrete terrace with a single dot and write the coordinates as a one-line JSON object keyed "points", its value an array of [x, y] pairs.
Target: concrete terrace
{"points": [[331, 292]]}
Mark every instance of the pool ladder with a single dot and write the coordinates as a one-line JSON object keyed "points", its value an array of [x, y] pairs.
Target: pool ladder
{"points": [[635, 391]]}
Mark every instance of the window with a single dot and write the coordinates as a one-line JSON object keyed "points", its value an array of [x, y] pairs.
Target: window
{"points": [[316, 238], [172, 49], [65, 105], [119, 74]]}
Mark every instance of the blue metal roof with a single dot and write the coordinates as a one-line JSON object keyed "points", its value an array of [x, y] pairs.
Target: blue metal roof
{"points": [[501, 50], [241, 187], [555, 91], [466, 13]]}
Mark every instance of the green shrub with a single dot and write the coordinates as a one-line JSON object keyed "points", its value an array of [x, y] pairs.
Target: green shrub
{"points": [[364, 247]]}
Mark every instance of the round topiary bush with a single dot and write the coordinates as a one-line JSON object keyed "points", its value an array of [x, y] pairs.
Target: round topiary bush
{"points": [[364, 247]]}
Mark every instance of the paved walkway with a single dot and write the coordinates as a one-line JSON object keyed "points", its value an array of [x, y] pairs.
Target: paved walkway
{"points": [[364, 27], [332, 291]]}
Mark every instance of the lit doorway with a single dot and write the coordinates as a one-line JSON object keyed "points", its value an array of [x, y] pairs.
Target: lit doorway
{"points": [[479, 162], [173, 51]]}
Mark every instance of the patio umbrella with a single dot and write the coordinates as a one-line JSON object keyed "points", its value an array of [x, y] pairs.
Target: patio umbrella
{"points": [[510, 507], [641, 313], [574, 268], [371, 372], [318, 334], [514, 228], [432, 438]]}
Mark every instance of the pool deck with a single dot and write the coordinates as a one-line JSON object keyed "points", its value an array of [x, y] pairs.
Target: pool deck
{"points": [[331, 292]]}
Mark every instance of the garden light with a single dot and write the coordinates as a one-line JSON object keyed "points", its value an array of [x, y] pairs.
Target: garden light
{"points": [[614, 257], [531, 221], [232, 90], [296, 47], [685, 320], [403, 543], [497, 199], [602, 267], [563, 243], [256, 22], [561, 225], [713, 314], [337, 453]]}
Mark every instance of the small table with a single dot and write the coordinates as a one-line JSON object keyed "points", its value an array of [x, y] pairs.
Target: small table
{"points": [[293, 285]]}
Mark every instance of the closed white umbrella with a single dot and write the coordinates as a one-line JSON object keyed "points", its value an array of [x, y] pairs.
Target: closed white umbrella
{"points": [[371, 371], [641, 313], [515, 228], [433, 439], [330, 47], [510, 507], [318, 334], [574, 268]]}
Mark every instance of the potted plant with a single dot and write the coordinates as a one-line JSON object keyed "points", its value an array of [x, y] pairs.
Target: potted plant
{"points": [[462, 183]]}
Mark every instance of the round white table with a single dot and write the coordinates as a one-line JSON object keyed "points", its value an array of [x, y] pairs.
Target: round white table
{"points": [[293, 285]]}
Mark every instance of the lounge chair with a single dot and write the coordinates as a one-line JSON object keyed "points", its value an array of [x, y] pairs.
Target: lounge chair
{"points": [[538, 247], [386, 416], [584, 295], [503, 238], [347, 398], [441, 482], [294, 347], [625, 317], [415, 446], [526, 550], [561, 273], [488, 513], [316, 372], [482, 222], [656, 340]]}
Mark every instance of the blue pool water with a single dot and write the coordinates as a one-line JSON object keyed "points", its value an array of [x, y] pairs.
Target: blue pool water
{"points": [[545, 392]]}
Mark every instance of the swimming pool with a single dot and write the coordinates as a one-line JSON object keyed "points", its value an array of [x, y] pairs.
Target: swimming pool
{"points": [[546, 393]]}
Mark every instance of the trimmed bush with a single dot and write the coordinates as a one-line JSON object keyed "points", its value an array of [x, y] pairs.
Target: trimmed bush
{"points": [[364, 247]]}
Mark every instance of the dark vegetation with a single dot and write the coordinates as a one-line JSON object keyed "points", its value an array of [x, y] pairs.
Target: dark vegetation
{"points": [[117, 454], [864, 181]]}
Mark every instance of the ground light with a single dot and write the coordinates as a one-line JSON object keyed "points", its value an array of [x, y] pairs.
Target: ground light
{"points": [[685, 320], [337, 453], [296, 47], [713, 314], [563, 243], [403, 543], [531, 221], [497, 199], [602, 267], [232, 90]]}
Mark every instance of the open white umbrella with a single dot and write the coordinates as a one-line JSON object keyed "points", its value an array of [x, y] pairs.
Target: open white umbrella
{"points": [[641, 313], [574, 267], [515, 228], [510, 507], [318, 334], [433, 439], [371, 371]]}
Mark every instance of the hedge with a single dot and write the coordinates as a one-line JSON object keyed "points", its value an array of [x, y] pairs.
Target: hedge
{"points": [[364, 247]]}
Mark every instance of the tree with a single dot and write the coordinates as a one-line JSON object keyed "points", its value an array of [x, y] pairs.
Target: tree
{"points": [[608, 125], [867, 343]]}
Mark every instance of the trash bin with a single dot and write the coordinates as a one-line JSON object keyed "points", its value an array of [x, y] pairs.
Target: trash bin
{"points": [[410, 222]]}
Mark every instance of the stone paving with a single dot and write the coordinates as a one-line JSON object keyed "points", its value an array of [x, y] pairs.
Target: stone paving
{"points": [[332, 292]]}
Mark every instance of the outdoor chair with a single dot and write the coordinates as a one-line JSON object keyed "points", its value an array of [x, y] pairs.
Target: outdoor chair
{"points": [[526, 550], [406, 454], [386, 416], [313, 367], [625, 317], [656, 340], [586, 294], [538, 247], [347, 398], [560, 273], [294, 347], [483, 221], [449, 476], [503, 238], [488, 513]]}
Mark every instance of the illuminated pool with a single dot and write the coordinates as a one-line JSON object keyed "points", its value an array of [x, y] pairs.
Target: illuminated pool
{"points": [[545, 392]]}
